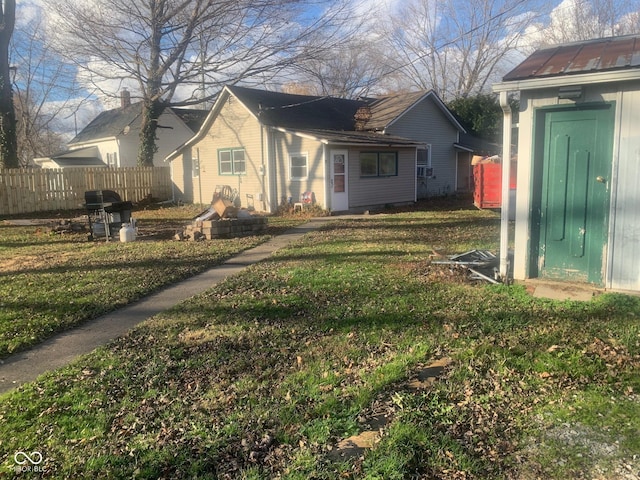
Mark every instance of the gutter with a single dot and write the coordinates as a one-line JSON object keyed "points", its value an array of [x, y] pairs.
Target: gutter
{"points": [[564, 80]]}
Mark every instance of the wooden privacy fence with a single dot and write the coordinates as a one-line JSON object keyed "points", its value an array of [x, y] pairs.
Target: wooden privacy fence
{"points": [[26, 190]]}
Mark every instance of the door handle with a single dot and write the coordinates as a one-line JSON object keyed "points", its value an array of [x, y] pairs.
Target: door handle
{"points": [[601, 179]]}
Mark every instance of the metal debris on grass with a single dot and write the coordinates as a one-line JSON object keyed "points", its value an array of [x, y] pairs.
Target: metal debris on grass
{"points": [[480, 263]]}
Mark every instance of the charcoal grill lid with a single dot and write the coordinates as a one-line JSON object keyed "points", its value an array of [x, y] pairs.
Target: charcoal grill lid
{"points": [[92, 197]]}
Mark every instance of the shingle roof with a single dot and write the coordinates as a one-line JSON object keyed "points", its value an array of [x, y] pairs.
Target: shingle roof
{"points": [[326, 113], [605, 54], [108, 123], [384, 110], [299, 111], [112, 122], [192, 118]]}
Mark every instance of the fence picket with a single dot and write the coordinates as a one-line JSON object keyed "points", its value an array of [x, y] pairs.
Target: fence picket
{"points": [[27, 190]]}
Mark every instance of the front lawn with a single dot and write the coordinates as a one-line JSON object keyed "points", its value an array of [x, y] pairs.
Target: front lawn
{"points": [[265, 374], [50, 282]]}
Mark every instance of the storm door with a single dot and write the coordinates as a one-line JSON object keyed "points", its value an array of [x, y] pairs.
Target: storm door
{"points": [[339, 181]]}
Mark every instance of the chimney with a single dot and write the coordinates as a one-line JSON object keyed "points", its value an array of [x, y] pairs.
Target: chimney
{"points": [[362, 116], [125, 98]]}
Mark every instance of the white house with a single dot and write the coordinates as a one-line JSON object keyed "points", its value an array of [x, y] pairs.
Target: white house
{"points": [[112, 138]]}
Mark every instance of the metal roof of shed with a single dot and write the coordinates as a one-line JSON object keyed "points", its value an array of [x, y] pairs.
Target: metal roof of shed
{"points": [[592, 56]]}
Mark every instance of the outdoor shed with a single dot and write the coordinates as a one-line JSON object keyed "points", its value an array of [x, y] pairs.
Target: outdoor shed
{"points": [[577, 216]]}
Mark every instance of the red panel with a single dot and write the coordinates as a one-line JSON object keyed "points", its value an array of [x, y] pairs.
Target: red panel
{"points": [[487, 180]]}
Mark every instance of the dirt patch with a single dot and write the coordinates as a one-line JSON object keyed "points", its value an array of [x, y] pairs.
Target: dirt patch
{"points": [[21, 263], [373, 424]]}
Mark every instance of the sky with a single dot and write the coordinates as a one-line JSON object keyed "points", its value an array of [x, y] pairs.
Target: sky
{"points": [[31, 11]]}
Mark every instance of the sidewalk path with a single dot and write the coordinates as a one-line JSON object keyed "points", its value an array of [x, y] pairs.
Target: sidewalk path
{"points": [[65, 347]]}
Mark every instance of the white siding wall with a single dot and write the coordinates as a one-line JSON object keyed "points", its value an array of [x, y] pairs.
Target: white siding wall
{"points": [[128, 150], [110, 146], [126, 146], [234, 127], [286, 144], [172, 134], [427, 123], [624, 271]]}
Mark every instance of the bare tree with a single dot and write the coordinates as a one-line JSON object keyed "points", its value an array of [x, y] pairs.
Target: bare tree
{"points": [[453, 47], [46, 91], [182, 51], [579, 20], [8, 142], [354, 70]]}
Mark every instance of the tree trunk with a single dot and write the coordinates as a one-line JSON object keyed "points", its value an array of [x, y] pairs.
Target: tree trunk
{"points": [[151, 107], [151, 110], [8, 136]]}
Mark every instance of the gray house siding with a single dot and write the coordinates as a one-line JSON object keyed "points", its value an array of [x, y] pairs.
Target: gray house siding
{"points": [[365, 191], [426, 122]]}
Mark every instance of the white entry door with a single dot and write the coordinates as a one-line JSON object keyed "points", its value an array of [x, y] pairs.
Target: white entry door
{"points": [[339, 180]]}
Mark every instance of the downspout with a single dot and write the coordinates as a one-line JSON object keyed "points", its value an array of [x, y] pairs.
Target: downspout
{"points": [[506, 174], [325, 173], [199, 173], [272, 179], [415, 169], [262, 172]]}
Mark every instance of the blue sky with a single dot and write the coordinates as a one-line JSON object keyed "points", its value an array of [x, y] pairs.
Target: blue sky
{"points": [[30, 11]]}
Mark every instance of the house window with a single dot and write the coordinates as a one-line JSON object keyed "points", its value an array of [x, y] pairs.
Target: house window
{"points": [[112, 160], [298, 166], [232, 161], [424, 169], [378, 164]]}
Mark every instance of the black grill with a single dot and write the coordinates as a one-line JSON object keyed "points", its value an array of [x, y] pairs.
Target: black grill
{"points": [[106, 212]]}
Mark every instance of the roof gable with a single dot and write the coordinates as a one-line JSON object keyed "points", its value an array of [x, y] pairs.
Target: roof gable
{"points": [[387, 110]]}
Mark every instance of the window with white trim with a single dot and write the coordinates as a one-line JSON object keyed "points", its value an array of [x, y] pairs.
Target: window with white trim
{"points": [[298, 166], [424, 168], [112, 160], [231, 161]]}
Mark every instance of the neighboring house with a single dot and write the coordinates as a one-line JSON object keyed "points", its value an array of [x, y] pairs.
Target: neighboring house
{"points": [[352, 154], [112, 139], [577, 215]]}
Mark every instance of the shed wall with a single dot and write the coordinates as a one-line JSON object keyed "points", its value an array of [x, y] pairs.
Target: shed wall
{"points": [[624, 267], [623, 250]]}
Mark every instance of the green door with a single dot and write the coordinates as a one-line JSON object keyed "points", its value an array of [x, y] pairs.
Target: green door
{"points": [[578, 149]]}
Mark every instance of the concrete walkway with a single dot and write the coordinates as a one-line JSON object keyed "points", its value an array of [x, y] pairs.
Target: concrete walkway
{"points": [[62, 349]]}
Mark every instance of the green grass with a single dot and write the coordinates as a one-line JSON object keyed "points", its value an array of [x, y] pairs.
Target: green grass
{"points": [[51, 282], [262, 376]]}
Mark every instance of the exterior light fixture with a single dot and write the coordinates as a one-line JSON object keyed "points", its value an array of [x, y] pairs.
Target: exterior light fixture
{"points": [[572, 92]]}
